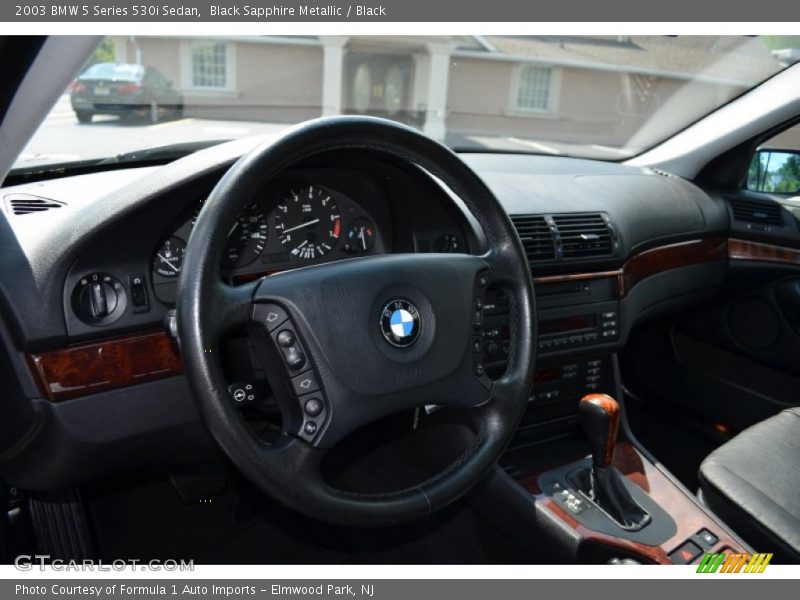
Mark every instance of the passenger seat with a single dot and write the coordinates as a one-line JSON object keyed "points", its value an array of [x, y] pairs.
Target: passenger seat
{"points": [[753, 484]]}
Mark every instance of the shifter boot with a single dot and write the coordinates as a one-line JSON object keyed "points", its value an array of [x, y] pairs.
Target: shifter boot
{"points": [[605, 488]]}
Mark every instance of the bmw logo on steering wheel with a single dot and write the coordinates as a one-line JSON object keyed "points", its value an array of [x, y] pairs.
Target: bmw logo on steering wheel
{"points": [[400, 323]]}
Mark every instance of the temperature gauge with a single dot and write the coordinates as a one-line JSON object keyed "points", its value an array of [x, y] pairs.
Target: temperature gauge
{"points": [[360, 236]]}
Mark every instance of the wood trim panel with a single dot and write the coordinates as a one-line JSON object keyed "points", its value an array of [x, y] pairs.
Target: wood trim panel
{"points": [[760, 252], [651, 262], [673, 256], [687, 515], [576, 277], [109, 364]]}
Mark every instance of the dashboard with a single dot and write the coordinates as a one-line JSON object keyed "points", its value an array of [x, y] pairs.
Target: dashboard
{"points": [[96, 265]]}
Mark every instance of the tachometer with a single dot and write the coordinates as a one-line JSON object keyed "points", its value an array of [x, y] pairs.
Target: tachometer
{"points": [[247, 238], [308, 222]]}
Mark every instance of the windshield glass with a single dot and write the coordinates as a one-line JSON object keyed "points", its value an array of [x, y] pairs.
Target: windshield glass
{"points": [[607, 97], [118, 72]]}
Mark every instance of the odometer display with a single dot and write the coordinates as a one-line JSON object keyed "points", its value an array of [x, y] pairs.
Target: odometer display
{"points": [[308, 222]]}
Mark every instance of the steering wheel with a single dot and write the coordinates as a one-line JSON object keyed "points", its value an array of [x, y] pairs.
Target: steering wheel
{"points": [[359, 339]]}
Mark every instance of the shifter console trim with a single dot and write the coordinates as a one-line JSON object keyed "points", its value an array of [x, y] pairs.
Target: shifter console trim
{"points": [[688, 516], [558, 486]]}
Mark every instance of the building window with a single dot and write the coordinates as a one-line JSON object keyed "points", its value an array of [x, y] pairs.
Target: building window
{"points": [[534, 88], [209, 65]]}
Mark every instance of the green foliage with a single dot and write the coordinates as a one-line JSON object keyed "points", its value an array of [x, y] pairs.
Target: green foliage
{"points": [[774, 172], [789, 175], [103, 53], [781, 42]]}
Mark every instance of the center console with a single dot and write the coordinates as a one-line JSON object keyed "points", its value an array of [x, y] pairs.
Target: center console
{"points": [[578, 327], [616, 502]]}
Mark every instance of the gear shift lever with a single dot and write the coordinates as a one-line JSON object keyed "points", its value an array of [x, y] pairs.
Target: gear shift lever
{"points": [[599, 418], [602, 483]]}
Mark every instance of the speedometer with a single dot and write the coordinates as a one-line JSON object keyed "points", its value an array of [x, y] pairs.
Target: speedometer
{"points": [[247, 238], [308, 222]]}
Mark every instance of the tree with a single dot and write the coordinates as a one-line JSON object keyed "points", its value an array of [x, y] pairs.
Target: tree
{"points": [[789, 174]]}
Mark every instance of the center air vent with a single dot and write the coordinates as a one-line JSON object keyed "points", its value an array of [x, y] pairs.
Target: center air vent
{"points": [[536, 236], [584, 235], [25, 204], [757, 212]]}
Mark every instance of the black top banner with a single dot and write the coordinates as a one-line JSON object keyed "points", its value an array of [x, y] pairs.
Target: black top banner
{"points": [[393, 11]]}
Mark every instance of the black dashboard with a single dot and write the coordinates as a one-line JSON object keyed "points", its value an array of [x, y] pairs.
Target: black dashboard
{"points": [[100, 256]]}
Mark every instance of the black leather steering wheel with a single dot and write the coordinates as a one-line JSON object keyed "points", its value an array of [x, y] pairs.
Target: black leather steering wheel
{"points": [[377, 334]]}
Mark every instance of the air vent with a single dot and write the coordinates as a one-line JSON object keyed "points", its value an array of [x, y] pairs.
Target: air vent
{"points": [[25, 204], [757, 212], [584, 236], [536, 236]]}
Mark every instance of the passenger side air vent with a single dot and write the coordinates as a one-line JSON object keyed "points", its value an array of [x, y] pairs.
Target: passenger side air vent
{"points": [[536, 236], [584, 235], [25, 204], [757, 212]]}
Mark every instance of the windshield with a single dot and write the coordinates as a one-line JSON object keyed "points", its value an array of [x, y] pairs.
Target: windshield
{"points": [[607, 97], [114, 71]]}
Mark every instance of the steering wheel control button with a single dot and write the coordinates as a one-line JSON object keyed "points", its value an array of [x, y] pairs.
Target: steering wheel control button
{"points": [[400, 323], [286, 338], [310, 428], [477, 345], [294, 358], [270, 316], [242, 393], [313, 407], [479, 370], [305, 383]]}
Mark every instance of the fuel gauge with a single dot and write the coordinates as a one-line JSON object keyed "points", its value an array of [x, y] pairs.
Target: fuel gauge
{"points": [[360, 237], [169, 258]]}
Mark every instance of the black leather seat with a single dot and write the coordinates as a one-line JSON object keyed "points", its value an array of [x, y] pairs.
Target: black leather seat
{"points": [[753, 484]]}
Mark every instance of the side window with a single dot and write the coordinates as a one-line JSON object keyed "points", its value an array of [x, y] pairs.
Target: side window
{"points": [[775, 167]]}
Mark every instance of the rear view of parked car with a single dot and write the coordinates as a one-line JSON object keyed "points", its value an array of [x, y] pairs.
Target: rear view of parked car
{"points": [[124, 90]]}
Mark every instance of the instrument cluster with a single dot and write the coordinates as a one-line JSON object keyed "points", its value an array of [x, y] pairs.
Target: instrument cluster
{"points": [[287, 226]]}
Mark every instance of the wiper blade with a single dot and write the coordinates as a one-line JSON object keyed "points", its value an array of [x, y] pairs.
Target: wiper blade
{"points": [[159, 153], [146, 156]]}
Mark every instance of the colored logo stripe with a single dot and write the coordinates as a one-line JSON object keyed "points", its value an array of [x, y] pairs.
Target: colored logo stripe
{"points": [[734, 563]]}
